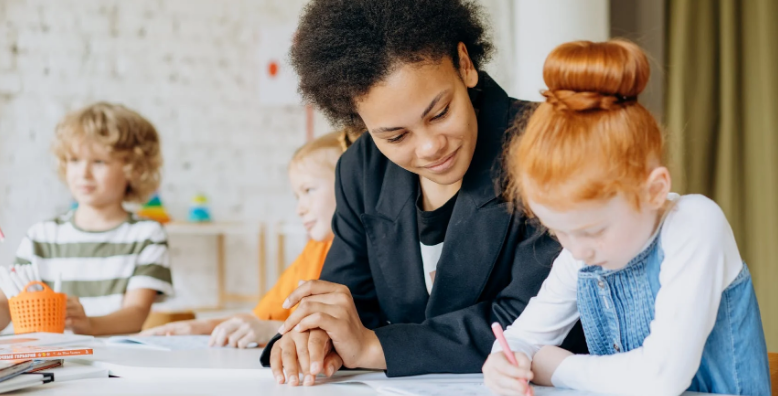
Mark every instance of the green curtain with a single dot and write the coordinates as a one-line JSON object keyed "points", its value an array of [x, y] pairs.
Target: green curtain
{"points": [[722, 124]]}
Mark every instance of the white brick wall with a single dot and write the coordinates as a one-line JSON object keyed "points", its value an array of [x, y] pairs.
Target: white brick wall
{"points": [[189, 66]]}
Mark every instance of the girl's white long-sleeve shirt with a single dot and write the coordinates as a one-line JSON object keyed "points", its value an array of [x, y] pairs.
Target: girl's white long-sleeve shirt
{"points": [[701, 260]]}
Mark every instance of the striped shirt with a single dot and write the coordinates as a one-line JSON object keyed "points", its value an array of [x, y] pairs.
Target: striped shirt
{"points": [[99, 267]]}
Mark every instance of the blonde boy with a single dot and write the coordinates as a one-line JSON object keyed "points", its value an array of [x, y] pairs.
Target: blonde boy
{"points": [[112, 264]]}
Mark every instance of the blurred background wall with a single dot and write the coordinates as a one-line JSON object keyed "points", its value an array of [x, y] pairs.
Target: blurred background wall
{"points": [[192, 67]]}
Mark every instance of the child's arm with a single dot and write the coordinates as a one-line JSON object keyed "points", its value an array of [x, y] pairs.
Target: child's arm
{"points": [[701, 259], [185, 327], [546, 361], [545, 321], [129, 319], [551, 314]]}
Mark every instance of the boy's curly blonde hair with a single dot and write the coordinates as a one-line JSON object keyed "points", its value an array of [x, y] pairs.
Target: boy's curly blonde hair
{"points": [[128, 136]]}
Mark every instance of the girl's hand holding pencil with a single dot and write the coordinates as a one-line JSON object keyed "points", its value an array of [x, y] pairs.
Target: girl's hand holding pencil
{"points": [[508, 373]]}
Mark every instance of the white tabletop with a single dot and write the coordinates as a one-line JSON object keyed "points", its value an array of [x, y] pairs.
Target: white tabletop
{"points": [[192, 387], [139, 362], [216, 371]]}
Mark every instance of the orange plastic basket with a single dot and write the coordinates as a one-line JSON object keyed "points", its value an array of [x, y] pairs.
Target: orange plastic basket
{"points": [[38, 311]]}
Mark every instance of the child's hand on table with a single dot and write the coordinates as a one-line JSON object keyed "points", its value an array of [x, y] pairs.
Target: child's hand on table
{"points": [[183, 327], [242, 330], [75, 317], [503, 378]]}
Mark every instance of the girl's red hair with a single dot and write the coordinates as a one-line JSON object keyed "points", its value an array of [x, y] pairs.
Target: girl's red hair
{"points": [[591, 139]]}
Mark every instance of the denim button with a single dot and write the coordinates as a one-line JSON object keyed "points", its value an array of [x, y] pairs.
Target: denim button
{"points": [[616, 347], [601, 284]]}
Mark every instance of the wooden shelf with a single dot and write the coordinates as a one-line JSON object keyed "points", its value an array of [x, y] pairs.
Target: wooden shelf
{"points": [[211, 228], [220, 231]]}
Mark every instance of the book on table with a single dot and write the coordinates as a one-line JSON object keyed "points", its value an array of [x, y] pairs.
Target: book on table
{"points": [[30, 352], [38, 358], [44, 339], [43, 346]]}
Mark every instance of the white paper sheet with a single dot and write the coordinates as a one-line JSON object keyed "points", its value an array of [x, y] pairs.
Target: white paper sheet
{"points": [[165, 343]]}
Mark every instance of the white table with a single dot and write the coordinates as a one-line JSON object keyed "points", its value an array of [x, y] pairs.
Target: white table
{"points": [[136, 362], [218, 371], [263, 386]]}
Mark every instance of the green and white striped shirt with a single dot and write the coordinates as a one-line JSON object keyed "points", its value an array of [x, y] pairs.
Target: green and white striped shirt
{"points": [[99, 267]]}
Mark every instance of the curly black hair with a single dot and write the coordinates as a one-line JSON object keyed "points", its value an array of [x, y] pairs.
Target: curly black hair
{"points": [[344, 47]]}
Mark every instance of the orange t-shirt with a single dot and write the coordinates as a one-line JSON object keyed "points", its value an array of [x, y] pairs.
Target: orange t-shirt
{"points": [[307, 266]]}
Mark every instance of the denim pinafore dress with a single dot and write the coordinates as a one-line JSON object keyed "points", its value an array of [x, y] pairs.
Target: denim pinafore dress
{"points": [[617, 307]]}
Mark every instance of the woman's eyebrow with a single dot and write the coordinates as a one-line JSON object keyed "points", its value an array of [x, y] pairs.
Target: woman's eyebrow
{"points": [[433, 103]]}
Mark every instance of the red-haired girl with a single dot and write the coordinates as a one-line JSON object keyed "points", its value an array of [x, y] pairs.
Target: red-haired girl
{"points": [[666, 302]]}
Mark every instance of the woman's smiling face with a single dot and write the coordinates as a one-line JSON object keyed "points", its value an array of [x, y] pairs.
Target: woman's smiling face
{"points": [[421, 118]]}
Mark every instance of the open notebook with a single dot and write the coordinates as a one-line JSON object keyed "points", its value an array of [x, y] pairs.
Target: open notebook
{"points": [[165, 343]]}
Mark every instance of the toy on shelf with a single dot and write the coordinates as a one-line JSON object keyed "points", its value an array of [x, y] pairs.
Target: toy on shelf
{"points": [[198, 211], [154, 210]]}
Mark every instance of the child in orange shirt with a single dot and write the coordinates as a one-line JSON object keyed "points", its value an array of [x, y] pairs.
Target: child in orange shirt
{"points": [[312, 175]]}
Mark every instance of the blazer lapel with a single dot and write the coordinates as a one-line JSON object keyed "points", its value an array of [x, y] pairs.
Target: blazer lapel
{"points": [[393, 235], [480, 221]]}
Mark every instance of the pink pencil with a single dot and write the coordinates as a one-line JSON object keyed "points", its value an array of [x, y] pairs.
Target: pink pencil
{"points": [[2, 236], [506, 349]]}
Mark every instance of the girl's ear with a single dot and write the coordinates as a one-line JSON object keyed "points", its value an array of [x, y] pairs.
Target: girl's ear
{"points": [[658, 186]]}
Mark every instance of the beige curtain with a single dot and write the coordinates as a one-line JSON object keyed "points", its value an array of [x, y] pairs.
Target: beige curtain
{"points": [[722, 120]]}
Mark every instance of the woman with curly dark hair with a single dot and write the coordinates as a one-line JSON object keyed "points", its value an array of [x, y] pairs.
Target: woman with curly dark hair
{"points": [[426, 254]]}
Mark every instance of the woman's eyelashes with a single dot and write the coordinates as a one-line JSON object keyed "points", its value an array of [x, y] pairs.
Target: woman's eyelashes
{"points": [[397, 138], [442, 114], [437, 117]]}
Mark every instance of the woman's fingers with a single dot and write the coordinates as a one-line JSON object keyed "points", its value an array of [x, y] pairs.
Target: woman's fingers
{"points": [[332, 363], [310, 288], [323, 321], [290, 363], [276, 364], [319, 345]]}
